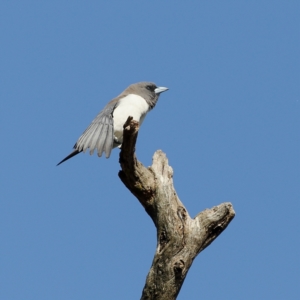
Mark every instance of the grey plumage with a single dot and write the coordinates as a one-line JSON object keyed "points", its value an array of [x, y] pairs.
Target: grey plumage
{"points": [[106, 130], [99, 135]]}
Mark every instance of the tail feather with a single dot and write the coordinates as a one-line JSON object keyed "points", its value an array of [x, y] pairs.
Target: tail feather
{"points": [[75, 152]]}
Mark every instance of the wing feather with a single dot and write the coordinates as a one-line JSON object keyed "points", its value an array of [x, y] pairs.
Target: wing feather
{"points": [[101, 139], [87, 140], [100, 134], [94, 138], [109, 142]]}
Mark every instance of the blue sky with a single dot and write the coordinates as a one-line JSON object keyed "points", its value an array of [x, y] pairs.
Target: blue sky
{"points": [[229, 125]]}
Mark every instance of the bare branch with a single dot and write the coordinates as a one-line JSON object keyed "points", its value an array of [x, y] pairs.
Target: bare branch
{"points": [[179, 237]]}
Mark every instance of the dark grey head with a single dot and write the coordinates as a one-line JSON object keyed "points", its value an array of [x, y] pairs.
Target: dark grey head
{"points": [[148, 90]]}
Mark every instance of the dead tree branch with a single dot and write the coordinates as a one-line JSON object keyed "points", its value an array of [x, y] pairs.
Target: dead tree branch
{"points": [[179, 237]]}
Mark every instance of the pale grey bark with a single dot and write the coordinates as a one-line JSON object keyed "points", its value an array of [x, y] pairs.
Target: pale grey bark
{"points": [[180, 238]]}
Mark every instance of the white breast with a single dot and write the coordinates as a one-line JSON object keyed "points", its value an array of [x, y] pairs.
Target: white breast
{"points": [[131, 105]]}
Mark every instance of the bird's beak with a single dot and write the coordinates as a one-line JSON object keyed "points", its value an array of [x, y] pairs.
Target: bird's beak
{"points": [[160, 89]]}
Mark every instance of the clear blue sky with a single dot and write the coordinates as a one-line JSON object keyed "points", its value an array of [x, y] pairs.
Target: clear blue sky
{"points": [[229, 125]]}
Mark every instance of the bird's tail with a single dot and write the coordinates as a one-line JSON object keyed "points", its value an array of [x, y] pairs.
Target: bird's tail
{"points": [[75, 152]]}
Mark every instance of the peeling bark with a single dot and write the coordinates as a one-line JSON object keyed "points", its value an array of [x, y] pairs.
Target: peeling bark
{"points": [[179, 237]]}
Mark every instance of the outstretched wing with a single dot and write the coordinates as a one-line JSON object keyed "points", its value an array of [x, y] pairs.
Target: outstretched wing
{"points": [[100, 134]]}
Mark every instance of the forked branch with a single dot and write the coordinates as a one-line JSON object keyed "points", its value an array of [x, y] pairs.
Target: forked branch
{"points": [[179, 237]]}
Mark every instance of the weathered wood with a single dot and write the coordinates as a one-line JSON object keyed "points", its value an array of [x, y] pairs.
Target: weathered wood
{"points": [[179, 237]]}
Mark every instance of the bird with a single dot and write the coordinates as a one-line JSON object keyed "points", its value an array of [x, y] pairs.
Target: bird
{"points": [[106, 130]]}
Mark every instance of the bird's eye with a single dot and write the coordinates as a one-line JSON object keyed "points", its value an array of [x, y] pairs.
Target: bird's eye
{"points": [[150, 88]]}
